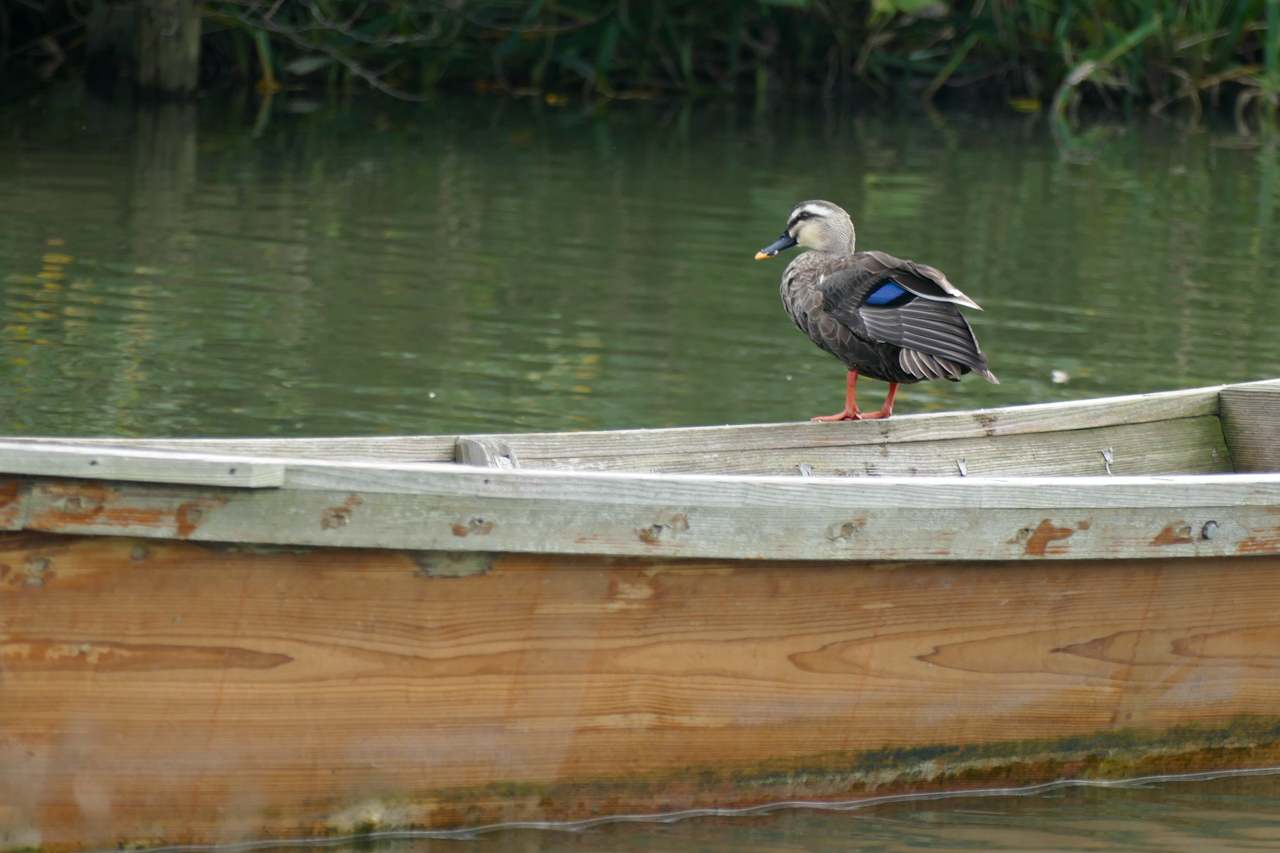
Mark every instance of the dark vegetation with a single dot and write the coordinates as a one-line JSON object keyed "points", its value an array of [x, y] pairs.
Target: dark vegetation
{"points": [[1028, 53]]}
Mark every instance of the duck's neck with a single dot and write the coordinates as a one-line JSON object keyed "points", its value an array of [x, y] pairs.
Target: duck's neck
{"points": [[840, 240]]}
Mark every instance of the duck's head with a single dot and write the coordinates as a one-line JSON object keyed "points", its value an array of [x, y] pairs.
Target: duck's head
{"points": [[818, 225]]}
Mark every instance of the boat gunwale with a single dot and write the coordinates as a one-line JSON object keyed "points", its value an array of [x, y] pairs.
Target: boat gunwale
{"points": [[844, 433], [101, 489], [446, 478]]}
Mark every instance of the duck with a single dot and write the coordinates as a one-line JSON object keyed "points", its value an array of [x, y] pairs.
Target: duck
{"points": [[883, 317]]}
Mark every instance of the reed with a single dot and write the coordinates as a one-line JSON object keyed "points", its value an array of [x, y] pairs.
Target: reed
{"points": [[1028, 52]]}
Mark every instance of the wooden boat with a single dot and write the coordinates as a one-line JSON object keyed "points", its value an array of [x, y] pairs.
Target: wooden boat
{"points": [[215, 641]]}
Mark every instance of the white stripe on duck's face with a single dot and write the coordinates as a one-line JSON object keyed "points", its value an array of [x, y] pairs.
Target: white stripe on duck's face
{"points": [[821, 226]]}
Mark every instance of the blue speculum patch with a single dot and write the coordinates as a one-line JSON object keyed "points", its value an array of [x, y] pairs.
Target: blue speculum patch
{"points": [[885, 293]]}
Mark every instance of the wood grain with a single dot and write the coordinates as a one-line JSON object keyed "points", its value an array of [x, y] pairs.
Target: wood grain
{"points": [[169, 692], [1191, 445], [982, 423], [613, 448], [1251, 422], [1170, 432], [139, 465], [386, 448], [461, 508]]}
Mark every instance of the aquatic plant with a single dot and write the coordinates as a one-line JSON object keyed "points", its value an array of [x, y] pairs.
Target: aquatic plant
{"points": [[1030, 53]]}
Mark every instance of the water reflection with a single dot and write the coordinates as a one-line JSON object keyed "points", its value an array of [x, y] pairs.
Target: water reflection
{"points": [[485, 265], [1224, 815]]}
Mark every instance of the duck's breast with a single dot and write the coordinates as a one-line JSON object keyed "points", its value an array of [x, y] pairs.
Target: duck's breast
{"points": [[801, 296]]}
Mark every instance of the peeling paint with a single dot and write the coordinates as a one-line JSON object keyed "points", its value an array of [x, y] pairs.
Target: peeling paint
{"points": [[1175, 533], [662, 523], [1039, 540], [61, 507], [1260, 543], [10, 501], [72, 505], [339, 516], [190, 516], [837, 532], [478, 526]]}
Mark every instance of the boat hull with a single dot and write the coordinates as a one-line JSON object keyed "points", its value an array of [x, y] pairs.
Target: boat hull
{"points": [[162, 692]]}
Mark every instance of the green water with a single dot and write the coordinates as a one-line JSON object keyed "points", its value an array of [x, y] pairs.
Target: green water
{"points": [[481, 264]]}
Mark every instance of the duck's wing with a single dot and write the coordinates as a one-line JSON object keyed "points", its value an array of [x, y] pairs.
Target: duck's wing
{"points": [[921, 279], [905, 304]]}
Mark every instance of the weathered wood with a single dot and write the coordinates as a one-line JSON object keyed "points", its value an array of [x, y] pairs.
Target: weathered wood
{"points": [[1251, 423], [486, 452], [383, 448], [147, 466], [459, 508], [593, 449], [168, 693], [583, 449], [465, 508], [1192, 445]]}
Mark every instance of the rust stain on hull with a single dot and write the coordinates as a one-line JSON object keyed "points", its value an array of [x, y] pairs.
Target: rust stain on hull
{"points": [[340, 516], [1039, 541], [478, 526], [70, 506], [10, 500], [1261, 542], [1177, 533], [189, 516]]}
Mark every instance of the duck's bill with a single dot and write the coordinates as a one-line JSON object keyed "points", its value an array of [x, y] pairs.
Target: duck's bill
{"points": [[786, 241]]}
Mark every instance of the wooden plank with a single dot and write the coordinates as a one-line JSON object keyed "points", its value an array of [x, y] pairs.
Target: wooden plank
{"points": [[456, 508], [687, 449], [1251, 422], [599, 488], [486, 452], [596, 487], [388, 448], [1177, 446], [1183, 445], [594, 449], [167, 693], [534, 448], [1015, 420], [141, 465]]}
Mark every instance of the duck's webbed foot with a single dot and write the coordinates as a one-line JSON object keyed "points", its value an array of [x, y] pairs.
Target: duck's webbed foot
{"points": [[843, 416], [851, 411]]}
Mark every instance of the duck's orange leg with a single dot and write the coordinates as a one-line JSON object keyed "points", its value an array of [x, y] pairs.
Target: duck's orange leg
{"points": [[887, 408], [851, 411]]}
